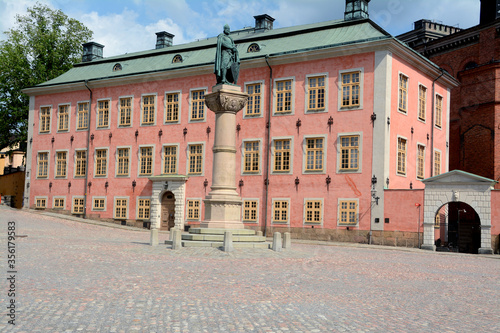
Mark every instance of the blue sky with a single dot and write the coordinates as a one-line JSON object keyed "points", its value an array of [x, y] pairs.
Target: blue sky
{"points": [[125, 26]]}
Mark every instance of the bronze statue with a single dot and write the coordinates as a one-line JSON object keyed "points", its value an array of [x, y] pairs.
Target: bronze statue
{"points": [[227, 60]]}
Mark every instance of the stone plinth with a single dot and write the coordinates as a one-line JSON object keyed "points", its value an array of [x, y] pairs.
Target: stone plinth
{"points": [[223, 204]]}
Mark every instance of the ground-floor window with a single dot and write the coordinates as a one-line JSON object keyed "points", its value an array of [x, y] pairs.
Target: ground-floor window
{"points": [[143, 209], [120, 208], [193, 209], [78, 204], [250, 210]]}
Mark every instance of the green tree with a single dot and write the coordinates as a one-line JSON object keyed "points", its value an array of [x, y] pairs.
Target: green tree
{"points": [[44, 44]]}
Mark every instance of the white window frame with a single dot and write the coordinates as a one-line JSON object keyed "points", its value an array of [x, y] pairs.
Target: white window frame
{"points": [[99, 198], [339, 152], [67, 163], [129, 161], [176, 159], [200, 200], [442, 111], [118, 115], [257, 210], [59, 197], [278, 138], [137, 210], [275, 100], [361, 71], [95, 163], [262, 97], [141, 122], [88, 116], [178, 92], [69, 117], [288, 215], [304, 210], [38, 161], [306, 93], [407, 94], [339, 200], [73, 204], [426, 103], [406, 156], [205, 109], [416, 160], [304, 154], [114, 207], [242, 150], [40, 119], [152, 161], [202, 143]]}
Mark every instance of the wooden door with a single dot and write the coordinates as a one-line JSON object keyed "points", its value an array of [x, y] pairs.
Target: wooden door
{"points": [[167, 211]]}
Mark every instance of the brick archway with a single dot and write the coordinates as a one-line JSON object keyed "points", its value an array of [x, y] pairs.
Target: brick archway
{"points": [[458, 186]]}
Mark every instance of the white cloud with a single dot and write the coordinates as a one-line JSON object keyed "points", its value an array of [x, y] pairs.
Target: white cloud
{"points": [[8, 11], [121, 33]]}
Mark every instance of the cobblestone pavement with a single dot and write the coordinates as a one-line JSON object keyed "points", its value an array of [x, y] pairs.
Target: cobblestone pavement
{"points": [[75, 277]]}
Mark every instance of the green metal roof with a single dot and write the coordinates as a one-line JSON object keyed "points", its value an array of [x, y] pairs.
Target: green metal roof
{"points": [[199, 53]]}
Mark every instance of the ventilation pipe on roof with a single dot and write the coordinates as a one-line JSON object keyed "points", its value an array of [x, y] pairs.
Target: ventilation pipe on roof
{"points": [[164, 39], [92, 51]]}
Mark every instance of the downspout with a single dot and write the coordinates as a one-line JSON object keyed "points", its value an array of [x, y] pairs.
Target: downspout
{"points": [[432, 120], [266, 180], [87, 156]]}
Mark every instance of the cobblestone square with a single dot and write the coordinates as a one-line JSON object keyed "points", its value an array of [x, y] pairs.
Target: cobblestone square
{"points": [[78, 277]]}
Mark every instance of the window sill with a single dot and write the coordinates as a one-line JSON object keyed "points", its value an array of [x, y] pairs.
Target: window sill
{"points": [[350, 108]]}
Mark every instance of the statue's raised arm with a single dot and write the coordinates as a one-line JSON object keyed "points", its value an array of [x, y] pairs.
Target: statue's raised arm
{"points": [[227, 60]]}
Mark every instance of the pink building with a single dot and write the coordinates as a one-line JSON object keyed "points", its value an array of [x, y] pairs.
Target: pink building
{"points": [[340, 116]]}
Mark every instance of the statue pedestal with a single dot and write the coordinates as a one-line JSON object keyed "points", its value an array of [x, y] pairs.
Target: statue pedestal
{"points": [[222, 203]]}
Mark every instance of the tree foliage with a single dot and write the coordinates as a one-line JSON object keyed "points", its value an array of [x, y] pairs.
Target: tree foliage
{"points": [[44, 44]]}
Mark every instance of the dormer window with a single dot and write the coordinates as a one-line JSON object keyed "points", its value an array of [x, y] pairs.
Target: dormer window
{"points": [[177, 58], [253, 48], [117, 67]]}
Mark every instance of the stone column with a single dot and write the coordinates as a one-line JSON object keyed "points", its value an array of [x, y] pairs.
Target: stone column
{"points": [[223, 204]]}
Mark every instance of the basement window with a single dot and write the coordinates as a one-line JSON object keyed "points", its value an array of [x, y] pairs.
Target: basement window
{"points": [[177, 58], [117, 67]]}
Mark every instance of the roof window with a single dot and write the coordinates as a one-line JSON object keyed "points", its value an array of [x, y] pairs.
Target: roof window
{"points": [[177, 58], [254, 47], [117, 67]]}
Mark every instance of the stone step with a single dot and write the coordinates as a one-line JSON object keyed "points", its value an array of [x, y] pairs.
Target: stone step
{"points": [[220, 238], [220, 231], [259, 245]]}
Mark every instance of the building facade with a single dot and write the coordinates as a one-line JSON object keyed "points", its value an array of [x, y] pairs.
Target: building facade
{"points": [[339, 113]]}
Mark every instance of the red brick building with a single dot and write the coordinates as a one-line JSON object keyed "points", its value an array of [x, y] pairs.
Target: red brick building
{"points": [[472, 57]]}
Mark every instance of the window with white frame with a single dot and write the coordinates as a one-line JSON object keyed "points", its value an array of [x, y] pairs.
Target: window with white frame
{"points": [[439, 111], [43, 165], [103, 114], [61, 163], [351, 89], [313, 212], [422, 94], [123, 161], [349, 148], [316, 92], [101, 162], [250, 211], [420, 161], [143, 208], [121, 207], [314, 153], [171, 107], [63, 114], [195, 158], [146, 161], [80, 163], [148, 109], [401, 156], [45, 119], [284, 96], [348, 212], [403, 93], [254, 99], [125, 116], [282, 155], [193, 209], [251, 156], [82, 116], [197, 105]]}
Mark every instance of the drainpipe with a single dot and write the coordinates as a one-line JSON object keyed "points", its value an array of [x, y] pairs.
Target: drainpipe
{"points": [[432, 120], [266, 180], [87, 156]]}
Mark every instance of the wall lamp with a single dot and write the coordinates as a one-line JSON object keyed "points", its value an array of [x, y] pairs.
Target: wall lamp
{"points": [[185, 131], [374, 180], [50, 185], [373, 117], [330, 121], [28, 185], [388, 120], [110, 135], [411, 185], [136, 133], [238, 127], [298, 123], [297, 181], [89, 185], [160, 133], [69, 184], [92, 136], [209, 130], [387, 181], [72, 138], [53, 139], [412, 130], [106, 184], [134, 184], [328, 180], [241, 183], [205, 183], [31, 141]]}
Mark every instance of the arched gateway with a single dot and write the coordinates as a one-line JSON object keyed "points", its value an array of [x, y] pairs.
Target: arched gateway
{"points": [[167, 201], [458, 187]]}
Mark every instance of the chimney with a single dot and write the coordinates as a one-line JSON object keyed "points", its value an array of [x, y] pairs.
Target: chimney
{"points": [[263, 22], [164, 39], [490, 11], [356, 9], [92, 51]]}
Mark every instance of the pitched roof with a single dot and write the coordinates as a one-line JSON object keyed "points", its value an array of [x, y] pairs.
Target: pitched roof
{"points": [[202, 52]]}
